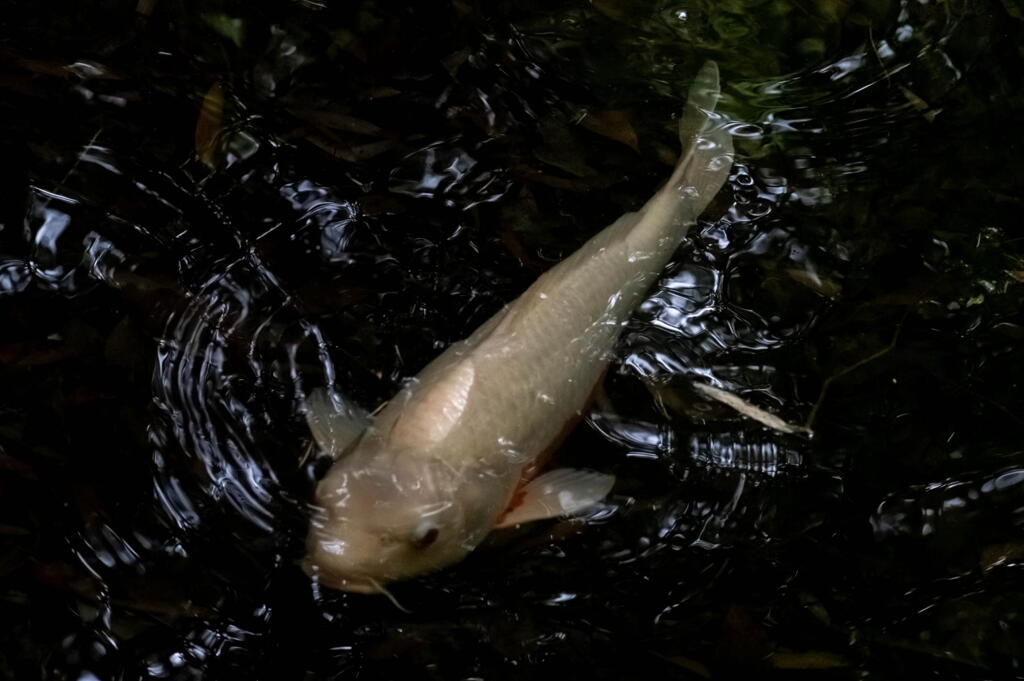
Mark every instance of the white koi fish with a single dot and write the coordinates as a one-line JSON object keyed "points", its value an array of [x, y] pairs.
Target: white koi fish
{"points": [[453, 455]]}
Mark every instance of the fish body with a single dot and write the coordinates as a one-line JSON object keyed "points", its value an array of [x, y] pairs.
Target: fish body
{"points": [[449, 457]]}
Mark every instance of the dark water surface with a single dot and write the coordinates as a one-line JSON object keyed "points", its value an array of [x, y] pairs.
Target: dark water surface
{"points": [[209, 209]]}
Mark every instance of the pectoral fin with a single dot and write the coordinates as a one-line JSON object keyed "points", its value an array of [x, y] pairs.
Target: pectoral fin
{"points": [[560, 492], [334, 427]]}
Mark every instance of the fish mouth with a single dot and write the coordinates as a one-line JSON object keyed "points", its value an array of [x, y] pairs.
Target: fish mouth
{"points": [[358, 584], [352, 584]]}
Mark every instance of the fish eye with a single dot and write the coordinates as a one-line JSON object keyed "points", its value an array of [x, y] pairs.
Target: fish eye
{"points": [[424, 536]]}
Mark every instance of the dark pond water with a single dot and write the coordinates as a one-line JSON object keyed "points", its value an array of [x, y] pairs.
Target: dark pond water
{"points": [[209, 209]]}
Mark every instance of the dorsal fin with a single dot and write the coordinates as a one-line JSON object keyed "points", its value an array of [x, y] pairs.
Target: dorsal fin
{"points": [[434, 409]]}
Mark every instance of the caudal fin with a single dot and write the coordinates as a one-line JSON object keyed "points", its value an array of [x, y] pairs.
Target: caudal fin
{"points": [[700, 104], [707, 151]]}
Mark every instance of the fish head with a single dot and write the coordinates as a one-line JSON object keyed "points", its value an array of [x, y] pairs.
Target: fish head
{"points": [[386, 518]]}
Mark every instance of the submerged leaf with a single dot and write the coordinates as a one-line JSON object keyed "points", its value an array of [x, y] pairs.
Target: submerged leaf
{"points": [[230, 27], [748, 410], [210, 124], [613, 124], [613, 9], [144, 8], [338, 121], [689, 665], [1013, 9], [812, 659], [9, 463], [351, 153], [1001, 554], [918, 103], [812, 280], [562, 150]]}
